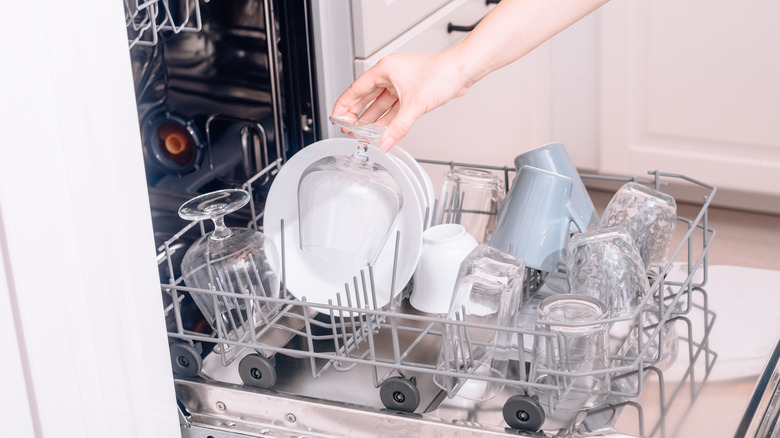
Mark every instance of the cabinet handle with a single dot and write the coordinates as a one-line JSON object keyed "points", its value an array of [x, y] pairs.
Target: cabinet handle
{"points": [[458, 28]]}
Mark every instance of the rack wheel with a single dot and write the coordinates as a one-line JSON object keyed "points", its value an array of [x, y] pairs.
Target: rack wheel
{"points": [[524, 413], [400, 394], [185, 360], [256, 370]]}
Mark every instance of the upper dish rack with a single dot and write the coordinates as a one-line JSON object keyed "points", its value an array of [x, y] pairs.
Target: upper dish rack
{"points": [[395, 342], [146, 18]]}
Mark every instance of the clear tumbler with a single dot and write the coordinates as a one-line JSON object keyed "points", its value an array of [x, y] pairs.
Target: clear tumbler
{"points": [[568, 356], [470, 197], [487, 292], [649, 216]]}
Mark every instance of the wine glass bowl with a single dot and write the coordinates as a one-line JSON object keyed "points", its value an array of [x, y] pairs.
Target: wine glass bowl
{"points": [[234, 260], [348, 204]]}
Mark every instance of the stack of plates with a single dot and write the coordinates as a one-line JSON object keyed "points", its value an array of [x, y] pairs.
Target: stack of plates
{"points": [[317, 280], [419, 179]]}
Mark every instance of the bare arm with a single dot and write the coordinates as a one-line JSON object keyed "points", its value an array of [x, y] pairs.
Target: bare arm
{"points": [[402, 87]]}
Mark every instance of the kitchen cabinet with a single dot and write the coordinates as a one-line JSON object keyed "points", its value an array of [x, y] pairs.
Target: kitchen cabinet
{"points": [[688, 87], [375, 24], [692, 87]]}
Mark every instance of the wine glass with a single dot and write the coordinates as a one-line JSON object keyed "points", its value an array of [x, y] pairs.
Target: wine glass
{"points": [[347, 204], [235, 260]]}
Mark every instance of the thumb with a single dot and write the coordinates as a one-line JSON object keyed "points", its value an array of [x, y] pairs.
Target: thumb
{"points": [[398, 128]]}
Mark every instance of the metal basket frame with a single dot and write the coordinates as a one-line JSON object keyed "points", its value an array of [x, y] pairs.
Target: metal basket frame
{"points": [[347, 338]]}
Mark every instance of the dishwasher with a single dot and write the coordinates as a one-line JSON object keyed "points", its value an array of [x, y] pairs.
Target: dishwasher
{"points": [[217, 112]]}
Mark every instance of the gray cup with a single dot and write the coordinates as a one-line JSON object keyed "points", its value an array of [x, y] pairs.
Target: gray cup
{"points": [[554, 158], [534, 221]]}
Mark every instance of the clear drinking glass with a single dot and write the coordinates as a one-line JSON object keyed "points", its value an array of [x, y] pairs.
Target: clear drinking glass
{"points": [[236, 260], [573, 350], [649, 216], [488, 291], [470, 197], [347, 204], [606, 265]]}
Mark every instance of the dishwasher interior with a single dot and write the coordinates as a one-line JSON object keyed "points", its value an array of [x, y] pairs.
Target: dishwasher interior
{"points": [[351, 368]]}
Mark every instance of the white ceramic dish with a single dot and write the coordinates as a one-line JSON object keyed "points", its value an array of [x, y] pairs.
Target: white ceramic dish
{"points": [[422, 177], [418, 189], [320, 280]]}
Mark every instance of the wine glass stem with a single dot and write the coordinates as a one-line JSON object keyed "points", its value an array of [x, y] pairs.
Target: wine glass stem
{"points": [[362, 150], [220, 230]]}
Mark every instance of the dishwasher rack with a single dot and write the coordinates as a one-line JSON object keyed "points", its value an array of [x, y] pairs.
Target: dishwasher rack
{"points": [[145, 19], [397, 347]]}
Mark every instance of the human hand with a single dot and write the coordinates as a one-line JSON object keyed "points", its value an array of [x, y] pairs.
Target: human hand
{"points": [[399, 89]]}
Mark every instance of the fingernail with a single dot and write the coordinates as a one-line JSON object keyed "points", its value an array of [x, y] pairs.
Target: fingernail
{"points": [[388, 143]]}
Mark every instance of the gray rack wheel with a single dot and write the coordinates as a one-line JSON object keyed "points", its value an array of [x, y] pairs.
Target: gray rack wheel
{"points": [[400, 394], [185, 359], [523, 412], [256, 370]]}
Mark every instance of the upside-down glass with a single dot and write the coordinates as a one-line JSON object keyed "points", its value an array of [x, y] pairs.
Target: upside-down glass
{"points": [[649, 216], [470, 197], [235, 260], [488, 291], [348, 205], [606, 265], [565, 353]]}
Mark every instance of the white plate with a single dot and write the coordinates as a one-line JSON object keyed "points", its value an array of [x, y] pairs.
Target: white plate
{"points": [[422, 177], [320, 280], [418, 189]]}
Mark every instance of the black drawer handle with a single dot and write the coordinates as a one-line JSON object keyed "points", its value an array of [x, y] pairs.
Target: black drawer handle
{"points": [[458, 28]]}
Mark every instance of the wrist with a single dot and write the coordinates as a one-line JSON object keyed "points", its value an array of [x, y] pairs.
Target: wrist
{"points": [[467, 72]]}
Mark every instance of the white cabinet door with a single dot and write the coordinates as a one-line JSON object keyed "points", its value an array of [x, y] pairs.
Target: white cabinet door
{"points": [[693, 87], [376, 23]]}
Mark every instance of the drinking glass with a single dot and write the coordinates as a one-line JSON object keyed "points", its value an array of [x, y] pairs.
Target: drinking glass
{"points": [[347, 204], [470, 197], [606, 265], [565, 352], [236, 260], [649, 216], [488, 291]]}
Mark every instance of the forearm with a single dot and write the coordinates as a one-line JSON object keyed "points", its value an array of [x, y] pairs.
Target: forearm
{"points": [[513, 29]]}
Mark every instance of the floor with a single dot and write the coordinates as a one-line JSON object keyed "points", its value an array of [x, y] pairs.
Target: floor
{"points": [[742, 238]]}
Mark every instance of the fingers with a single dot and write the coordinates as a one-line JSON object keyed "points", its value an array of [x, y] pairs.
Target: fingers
{"points": [[379, 107], [401, 118], [365, 89], [350, 104]]}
